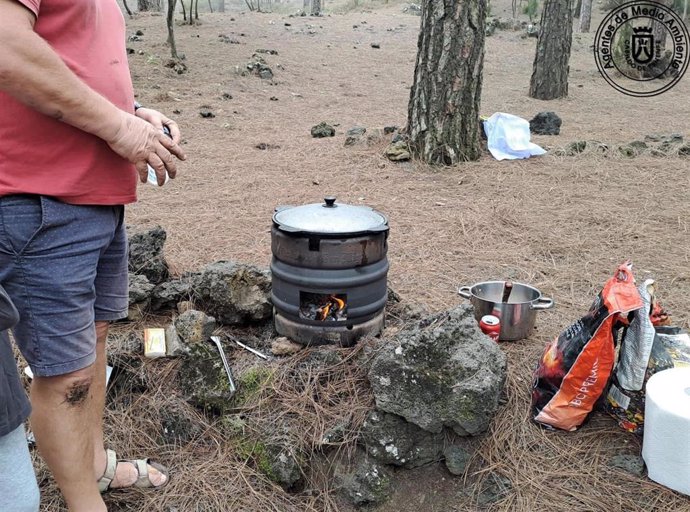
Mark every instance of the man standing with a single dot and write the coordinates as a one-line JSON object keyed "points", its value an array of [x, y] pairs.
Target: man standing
{"points": [[71, 145]]}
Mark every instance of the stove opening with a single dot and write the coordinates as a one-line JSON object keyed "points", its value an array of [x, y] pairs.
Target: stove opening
{"points": [[323, 307]]}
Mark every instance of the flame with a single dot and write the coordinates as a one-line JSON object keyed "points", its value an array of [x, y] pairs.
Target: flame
{"points": [[334, 305], [340, 302], [323, 311]]}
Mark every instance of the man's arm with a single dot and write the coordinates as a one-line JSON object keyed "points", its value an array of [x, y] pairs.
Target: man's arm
{"points": [[34, 74]]}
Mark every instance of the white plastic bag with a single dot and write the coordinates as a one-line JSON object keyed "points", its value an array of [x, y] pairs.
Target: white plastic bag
{"points": [[508, 137]]}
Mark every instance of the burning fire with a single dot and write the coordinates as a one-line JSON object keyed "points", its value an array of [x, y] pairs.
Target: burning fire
{"points": [[332, 307]]}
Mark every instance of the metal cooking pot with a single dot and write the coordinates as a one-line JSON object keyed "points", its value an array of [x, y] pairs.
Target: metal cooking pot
{"points": [[330, 219], [517, 315]]}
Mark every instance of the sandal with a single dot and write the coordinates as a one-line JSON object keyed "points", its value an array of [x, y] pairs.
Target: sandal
{"points": [[142, 466]]}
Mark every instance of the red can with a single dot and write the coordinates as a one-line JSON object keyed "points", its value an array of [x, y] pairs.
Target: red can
{"points": [[491, 326]]}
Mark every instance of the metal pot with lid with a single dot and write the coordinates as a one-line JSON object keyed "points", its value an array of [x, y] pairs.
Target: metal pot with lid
{"points": [[329, 235], [329, 270], [329, 219]]}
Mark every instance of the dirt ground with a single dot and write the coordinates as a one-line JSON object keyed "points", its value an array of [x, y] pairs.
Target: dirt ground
{"points": [[559, 223]]}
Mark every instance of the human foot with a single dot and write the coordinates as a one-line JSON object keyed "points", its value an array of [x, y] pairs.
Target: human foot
{"points": [[120, 474]]}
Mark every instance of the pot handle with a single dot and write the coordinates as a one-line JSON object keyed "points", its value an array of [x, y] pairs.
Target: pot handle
{"points": [[464, 291], [542, 303]]}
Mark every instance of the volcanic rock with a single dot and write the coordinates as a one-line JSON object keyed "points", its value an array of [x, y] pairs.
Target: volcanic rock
{"points": [[354, 135], [369, 484], [673, 138], [398, 151], [545, 123], [392, 440], [441, 372], [285, 347], [194, 327], [174, 346], [166, 295], [203, 379], [258, 66], [322, 129], [457, 459], [633, 149], [139, 296], [234, 293], [146, 254], [140, 289], [413, 9], [281, 465]]}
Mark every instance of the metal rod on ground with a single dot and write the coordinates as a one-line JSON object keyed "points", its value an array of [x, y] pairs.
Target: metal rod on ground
{"points": [[216, 340], [252, 350]]}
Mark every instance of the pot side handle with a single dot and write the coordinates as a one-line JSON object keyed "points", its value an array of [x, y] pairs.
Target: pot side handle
{"points": [[542, 303], [464, 291]]}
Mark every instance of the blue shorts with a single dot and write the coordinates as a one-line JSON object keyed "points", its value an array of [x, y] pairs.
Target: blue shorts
{"points": [[65, 267]]}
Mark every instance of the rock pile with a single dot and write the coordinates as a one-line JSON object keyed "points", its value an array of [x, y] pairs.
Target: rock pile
{"points": [[259, 67], [436, 383], [437, 380], [236, 294], [669, 145]]}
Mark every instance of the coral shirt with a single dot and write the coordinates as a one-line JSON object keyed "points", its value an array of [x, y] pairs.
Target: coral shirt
{"points": [[40, 155]]}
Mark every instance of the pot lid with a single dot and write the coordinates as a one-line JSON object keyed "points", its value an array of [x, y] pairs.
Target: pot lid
{"points": [[330, 218]]}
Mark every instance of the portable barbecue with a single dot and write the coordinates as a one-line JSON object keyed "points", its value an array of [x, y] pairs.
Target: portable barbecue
{"points": [[330, 271]]}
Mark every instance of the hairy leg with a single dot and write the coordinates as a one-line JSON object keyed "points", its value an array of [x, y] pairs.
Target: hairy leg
{"points": [[125, 474], [61, 420]]}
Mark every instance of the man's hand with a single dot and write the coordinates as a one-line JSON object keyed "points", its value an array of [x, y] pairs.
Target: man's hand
{"points": [[143, 143], [159, 120]]}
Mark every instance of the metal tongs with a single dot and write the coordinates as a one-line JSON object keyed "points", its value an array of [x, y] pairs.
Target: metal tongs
{"points": [[216, 340]]}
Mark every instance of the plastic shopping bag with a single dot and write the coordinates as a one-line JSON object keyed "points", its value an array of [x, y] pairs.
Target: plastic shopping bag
{"points": [[508, 137]]}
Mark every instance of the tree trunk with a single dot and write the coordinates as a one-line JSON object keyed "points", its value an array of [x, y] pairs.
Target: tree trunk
{"points": [[550, 72], [685, 10], [129, 11], [210, 6], [586, 15], [443, 113], [184, 11], [171, 28], [196, 9], [145, 5], [191, 12], [578, 9], [315, 7]]}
